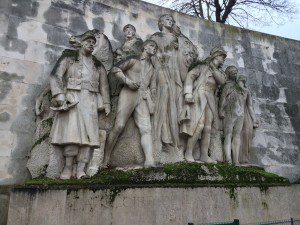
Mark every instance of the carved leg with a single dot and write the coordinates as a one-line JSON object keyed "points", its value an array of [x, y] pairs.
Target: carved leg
{"points": [[146, 142], [236, 140], [142, 121], [229, 123], [124, 111], [205, 139], [69, 152], [82, 159], [193, 140]]}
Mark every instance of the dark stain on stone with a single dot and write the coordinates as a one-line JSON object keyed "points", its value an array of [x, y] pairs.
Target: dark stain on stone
{"points": [[135, 15], [13, 24], [98, 23], [124, 3], [5, 6], [272, 108], [5, 83], [117, 31], [152, 23], [4, 76], [53, 16], [56, 35], [23, 8], [77, 23], [13, 44], [77, 6], [4, 117], [99, 8], [5, 88]]}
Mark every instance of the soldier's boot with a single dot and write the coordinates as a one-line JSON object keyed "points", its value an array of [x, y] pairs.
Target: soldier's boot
{"points": [[67, 171]]}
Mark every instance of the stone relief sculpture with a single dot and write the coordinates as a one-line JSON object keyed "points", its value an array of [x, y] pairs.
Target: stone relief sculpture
{"points": [[132, 45], [235, 103], [136, 98], [79, 86], [171, 95], [199, 92]]}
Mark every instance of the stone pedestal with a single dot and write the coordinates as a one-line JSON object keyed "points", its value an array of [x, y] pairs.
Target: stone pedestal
{"points": [[151, 206]]}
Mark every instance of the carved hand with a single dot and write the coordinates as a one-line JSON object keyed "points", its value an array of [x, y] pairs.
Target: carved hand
{"points": [[189, 99], [60, 99], [107, 109], [255, 123], [132, 85], [221, 114]]}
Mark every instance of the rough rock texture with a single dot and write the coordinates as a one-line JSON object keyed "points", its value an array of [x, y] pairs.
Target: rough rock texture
{"points": [[150, 206], [33, 34]]}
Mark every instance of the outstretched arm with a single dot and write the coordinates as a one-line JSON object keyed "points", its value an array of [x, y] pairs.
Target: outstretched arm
{"points": [[119, 70]]}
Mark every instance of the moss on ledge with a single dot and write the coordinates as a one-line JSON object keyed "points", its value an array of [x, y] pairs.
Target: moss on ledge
{"points": [[182, 175]]}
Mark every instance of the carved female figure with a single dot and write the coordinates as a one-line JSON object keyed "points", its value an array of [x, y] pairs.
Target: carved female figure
{"points": [[169, 82], [79, 86]]}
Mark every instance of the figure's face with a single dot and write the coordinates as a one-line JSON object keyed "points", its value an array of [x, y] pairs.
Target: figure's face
{"points": [[242, 84], [168, 22], [218, 61], [189, 58], [232, 74], [129, 32], [88, 45], [150, 48]]}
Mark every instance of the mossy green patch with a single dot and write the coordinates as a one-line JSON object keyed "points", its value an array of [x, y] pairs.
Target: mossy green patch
{"points": [[184, 175]]}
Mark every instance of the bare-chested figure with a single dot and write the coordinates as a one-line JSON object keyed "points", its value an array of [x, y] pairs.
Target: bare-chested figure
{"points": [[235, 99], [199, 92]]}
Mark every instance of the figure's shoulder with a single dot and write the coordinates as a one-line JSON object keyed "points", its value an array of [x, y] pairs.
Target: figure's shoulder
{"points": [[130, 59], [97, 63], [69, 54], [157, 34], [198, 65]]}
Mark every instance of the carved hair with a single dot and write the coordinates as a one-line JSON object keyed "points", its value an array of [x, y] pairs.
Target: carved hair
{"points": [[161, 21], [229, 69], [129, 26]]}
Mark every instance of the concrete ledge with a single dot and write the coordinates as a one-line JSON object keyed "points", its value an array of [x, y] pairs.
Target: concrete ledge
{"points": [[149, 206]]}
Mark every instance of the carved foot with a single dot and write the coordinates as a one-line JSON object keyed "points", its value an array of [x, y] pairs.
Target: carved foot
{"points": [[149, 164], [80, 171], [66, 173], [189, 158], [207, 160]]}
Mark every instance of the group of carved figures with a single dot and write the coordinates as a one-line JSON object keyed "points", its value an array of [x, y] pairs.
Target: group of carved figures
{"points": [[175, 99]]}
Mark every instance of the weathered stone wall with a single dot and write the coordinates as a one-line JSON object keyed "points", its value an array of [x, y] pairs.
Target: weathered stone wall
{"points": [[33, 34], [150, 206]]}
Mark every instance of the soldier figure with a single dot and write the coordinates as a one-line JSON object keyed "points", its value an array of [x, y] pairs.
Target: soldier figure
{"points": [[199, 92], [79, 87], [132, 45]]}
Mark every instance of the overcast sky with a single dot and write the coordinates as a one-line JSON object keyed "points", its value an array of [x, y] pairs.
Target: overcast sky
{"points": [[290, 29]]}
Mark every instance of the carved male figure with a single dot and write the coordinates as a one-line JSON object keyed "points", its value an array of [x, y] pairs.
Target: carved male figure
{"points": [[235, 99], [199, 91], [132, 45], [138, 77], [78, 82]]}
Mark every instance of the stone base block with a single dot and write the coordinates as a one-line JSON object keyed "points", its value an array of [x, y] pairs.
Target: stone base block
{"points": [[151, 206]]}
